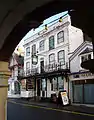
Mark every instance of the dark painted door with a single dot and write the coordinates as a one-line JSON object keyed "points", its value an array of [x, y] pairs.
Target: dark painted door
{"points": [[38, 87], [89, 93], [78, 93], [42, 66]]}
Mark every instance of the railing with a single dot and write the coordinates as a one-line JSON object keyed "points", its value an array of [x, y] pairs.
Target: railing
{"points": [[53, 67], [29, 72], [43, 69]]}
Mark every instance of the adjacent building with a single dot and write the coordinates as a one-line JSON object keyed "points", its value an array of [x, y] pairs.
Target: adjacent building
{"points": [[16, 65], [81, 80]]}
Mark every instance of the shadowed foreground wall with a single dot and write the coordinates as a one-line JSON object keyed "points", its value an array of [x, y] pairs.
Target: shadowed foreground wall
{"points": [[4, 76]]}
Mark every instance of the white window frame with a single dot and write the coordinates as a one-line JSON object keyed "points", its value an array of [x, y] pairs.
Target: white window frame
{"points": [[85, 57], [62, 58], [53, 61], [60, 37], [41, 45], [33, 49], [27, 68], [27, 51], [53, 43]]}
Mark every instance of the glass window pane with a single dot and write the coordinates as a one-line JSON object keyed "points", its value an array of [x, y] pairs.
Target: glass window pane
{"points": [[43, 84], [61, 57], [41, 45], [51, 58], [60, 37], [60, 83], [61, 54], [33, 49], [27, 51], [51, 42], [55, 85]]}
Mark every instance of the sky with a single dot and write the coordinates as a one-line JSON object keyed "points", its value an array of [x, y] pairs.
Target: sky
{"points": [[41, 27]]}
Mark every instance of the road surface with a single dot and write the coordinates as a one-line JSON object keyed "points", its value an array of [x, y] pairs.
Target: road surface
{"points": [[26, 112]]}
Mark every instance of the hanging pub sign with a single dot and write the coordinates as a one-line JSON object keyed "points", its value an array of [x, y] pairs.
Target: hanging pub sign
{"points": [[64, 97], [34, 59]]}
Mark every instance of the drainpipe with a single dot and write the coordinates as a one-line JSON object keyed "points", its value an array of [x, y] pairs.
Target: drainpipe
{"points": [[68, 85], [67, 78], [35, 88]]}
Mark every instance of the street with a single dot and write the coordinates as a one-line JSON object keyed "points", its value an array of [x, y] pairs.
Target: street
{"points": [[26, 112]]}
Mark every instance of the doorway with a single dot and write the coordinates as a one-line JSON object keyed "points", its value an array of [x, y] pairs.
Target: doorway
{"points": [[42, 66], [38, 87]]}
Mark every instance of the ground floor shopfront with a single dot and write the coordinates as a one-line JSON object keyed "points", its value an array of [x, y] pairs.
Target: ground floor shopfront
{"points": [[13, 87], [82, 90], [52, 85], [45, 84]]}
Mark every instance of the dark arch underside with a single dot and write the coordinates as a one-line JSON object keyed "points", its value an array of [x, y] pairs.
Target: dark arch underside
{"points": [[82, 16]]}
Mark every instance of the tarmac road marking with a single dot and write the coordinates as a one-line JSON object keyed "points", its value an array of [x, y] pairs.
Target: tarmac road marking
{"points": [[59, 110]]}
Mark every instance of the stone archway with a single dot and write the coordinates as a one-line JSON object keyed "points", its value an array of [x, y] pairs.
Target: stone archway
{"points": [[33, 18]]}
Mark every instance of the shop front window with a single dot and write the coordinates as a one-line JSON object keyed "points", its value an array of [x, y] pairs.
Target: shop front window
{"points": [[54, 84], [29, 84], [17, 87], [60, 83], [43, 84], [57, 83], [23, 84]]}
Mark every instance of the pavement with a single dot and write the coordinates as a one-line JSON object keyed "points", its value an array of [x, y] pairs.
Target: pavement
{"points": [[14, 96], [73, 108]]}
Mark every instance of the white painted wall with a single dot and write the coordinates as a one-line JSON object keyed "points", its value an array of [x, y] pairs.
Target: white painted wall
{"points": [[75, 38], [75, 64]]}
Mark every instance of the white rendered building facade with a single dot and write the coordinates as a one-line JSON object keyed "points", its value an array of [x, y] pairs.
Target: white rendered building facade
{"points": [[52, 48]]}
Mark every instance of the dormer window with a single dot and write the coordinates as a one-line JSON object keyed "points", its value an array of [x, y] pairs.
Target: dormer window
{"points": [[85, 57], [86, 54]]}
